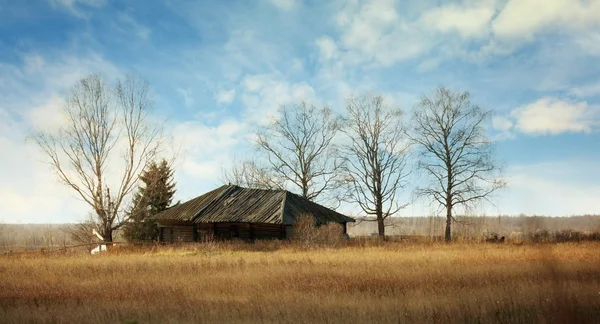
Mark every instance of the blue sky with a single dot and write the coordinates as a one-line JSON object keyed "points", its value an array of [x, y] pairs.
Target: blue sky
{"points": [[220, 68]]}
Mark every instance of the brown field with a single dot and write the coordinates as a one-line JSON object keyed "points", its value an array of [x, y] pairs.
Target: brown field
{"points": [[281, 283]]}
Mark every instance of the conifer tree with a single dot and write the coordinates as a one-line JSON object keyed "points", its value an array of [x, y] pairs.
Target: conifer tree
{"points": [[154, 196]]}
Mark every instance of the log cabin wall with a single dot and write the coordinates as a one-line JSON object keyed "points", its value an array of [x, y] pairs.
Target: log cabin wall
{"points": [[183, 234], [171, 233], [176, 232], [245, 231]]}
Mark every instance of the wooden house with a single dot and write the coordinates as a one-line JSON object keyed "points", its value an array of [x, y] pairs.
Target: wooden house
{"points": [[235, 212]]}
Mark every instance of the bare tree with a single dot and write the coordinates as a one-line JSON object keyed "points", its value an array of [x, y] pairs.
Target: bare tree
{"points": [[299, 149], [375, 157], [103, 146], [247, 173], [455, 151]]}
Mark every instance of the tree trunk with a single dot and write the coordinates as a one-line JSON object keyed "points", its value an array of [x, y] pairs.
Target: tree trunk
{"points": [[108, 235], [448, 236], [380, 223], [380, 227]]}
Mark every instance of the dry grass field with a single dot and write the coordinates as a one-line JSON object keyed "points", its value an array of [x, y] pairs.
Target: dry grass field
{"points": [[280, 283]]}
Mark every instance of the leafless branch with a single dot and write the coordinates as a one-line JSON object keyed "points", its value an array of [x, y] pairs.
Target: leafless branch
{"points": [[455, 151], [375, 159], [299, 149], [82, 232], [103, 124], [250, 175]]}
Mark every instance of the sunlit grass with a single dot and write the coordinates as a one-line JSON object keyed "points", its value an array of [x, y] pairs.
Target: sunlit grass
{"points": [[272, 282]]}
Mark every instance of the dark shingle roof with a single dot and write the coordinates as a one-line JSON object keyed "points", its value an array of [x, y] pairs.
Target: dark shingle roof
{"points": [[231, 203]]}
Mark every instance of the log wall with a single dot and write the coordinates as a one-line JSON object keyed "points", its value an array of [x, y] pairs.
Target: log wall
{"points": [[205, 231]]}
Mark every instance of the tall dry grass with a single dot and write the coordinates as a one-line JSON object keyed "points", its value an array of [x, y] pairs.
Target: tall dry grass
{"points": [[273, 282], [308, 235]]}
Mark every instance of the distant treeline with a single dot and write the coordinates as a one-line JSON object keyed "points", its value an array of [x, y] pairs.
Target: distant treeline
{"points": [[477, 226], [34, 236], [19, 237]]}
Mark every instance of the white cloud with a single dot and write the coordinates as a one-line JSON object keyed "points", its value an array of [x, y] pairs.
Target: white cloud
{"points": [[333, 78], [226, 96], [552, 188], [188, 100], [255, 82], [264, 93], [588, 90], [28, 185], [502, 123], [33, 63], [207, 140], [14, 204], [297, 65], [365, 25], [208, 148], [74, 6], [465, 20], [373, 32], [548, 116], [504, 128], [327, 48], [140, 30], [523, 19], [286, 5], [49, 75], [47, 116], [302, 91], [554, 116], [381, 33], [246, 50], [428, 64], [589, 42]]}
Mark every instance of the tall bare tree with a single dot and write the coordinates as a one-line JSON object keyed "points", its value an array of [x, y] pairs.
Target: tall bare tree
{"points": [[299, 149], [455, 151], [376, 156], [104, 144], [248, 173]]}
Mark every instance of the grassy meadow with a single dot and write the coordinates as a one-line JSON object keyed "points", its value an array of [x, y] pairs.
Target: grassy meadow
{"points": [[273, 282]]}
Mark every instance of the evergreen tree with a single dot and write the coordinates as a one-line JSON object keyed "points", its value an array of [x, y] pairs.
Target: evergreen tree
{"points": [[154, 196]]}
